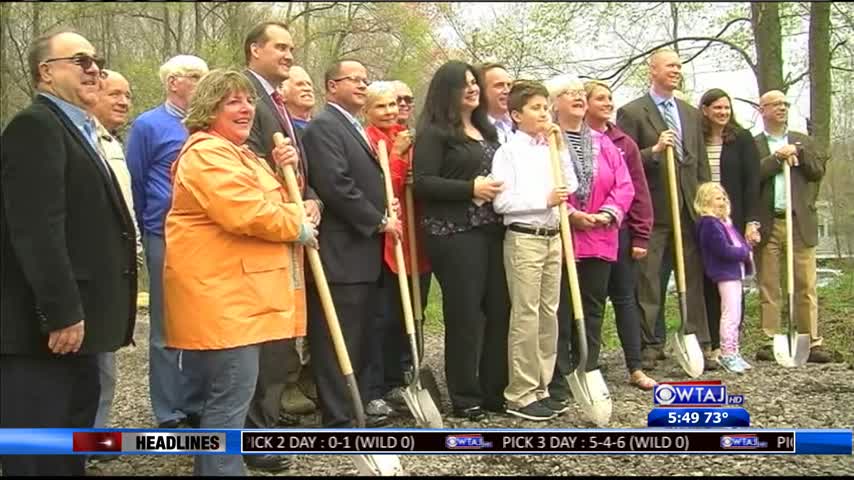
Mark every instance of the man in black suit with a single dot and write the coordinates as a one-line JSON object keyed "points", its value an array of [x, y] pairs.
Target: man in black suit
{"points": [[67, 243], [655, 121], [268, 48], [345, 173]]}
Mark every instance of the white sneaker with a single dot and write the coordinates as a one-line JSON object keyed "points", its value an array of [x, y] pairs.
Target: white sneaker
{"points": [[742, 362]]}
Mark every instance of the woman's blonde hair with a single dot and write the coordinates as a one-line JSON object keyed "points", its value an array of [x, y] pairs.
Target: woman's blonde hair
{"points": [[703, 200], [590, 86], [210, 93]]}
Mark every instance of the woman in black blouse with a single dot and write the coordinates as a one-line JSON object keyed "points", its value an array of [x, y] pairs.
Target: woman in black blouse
{"points": [[453, 157]]}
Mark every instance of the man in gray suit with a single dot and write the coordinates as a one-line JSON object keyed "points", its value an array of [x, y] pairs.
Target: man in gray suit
{"points": [[268, 49], [655, 121], [777, 145]]}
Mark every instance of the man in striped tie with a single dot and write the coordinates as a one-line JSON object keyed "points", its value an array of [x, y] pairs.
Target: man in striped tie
{"points": [[656, 121]]}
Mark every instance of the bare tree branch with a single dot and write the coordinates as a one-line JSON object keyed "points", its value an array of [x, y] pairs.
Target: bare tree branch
{"points": [[723, 30], [844, 69], [313, 10]]}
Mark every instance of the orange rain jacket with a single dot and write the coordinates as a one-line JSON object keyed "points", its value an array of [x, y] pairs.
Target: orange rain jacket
{"points": [[231, 278]]}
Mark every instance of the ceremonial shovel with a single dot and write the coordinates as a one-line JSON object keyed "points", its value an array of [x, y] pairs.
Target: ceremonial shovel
{"points": [[790, 349], [417, 398], [368, 465], [686, 348], [588, 388]]}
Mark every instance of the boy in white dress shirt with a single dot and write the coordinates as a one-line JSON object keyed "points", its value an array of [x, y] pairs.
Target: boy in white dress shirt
{"points": [[532, 249]]}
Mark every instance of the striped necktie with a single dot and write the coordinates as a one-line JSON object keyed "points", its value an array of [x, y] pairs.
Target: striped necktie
{"points": [[673, 124]]}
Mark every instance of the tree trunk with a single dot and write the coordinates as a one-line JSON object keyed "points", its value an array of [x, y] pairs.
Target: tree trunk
{"points": [[820, 81], [167, 44], [199, 28], [674, 16], [179, 42], [5, 11], [305, 34], [765, 18], [37, 19]]}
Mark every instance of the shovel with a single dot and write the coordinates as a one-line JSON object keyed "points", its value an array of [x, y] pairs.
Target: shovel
{"points": [[368, 465], [791, 349], [428, 380], [686, 347], [588, 388], [417, 398]]}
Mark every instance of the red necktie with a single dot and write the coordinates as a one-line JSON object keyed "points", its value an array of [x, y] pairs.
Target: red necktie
{"points": [[283, 113]]}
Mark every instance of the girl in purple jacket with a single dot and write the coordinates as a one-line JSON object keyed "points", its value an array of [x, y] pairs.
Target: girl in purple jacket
{"points": [[726, 261]]}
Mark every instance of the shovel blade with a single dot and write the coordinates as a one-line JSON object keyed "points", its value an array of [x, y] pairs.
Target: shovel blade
{"points": [[791, 351], [378, 465], [421, 405], [591, 393], [686, 349]]}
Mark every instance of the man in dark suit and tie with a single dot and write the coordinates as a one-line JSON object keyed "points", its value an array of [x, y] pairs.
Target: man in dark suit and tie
{"points": [[345, 173], [68, 252], [655, 121], [776, 145], [268, 48]]}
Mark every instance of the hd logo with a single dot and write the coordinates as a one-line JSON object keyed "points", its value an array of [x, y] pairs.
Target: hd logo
{"points": [[694, 394]]}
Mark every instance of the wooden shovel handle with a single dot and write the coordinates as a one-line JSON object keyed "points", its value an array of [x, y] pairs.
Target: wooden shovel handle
{"points": [[405, 298], [673, 191], [790, 257], [566, 233], [317, 270], [413, 248]]}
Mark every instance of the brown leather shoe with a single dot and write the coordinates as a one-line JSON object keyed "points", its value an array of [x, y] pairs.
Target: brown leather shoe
{"points": [[819, 355], [649, 357], [765, 353]]}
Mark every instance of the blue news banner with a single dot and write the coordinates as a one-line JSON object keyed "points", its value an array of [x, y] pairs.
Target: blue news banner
{"points": [[418, 441]]}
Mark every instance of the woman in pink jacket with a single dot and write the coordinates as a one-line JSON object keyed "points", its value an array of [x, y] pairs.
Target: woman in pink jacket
{"points": [[596, 210]]}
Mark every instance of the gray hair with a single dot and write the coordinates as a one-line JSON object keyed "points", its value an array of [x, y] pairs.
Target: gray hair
{"points": [[182, 65], [561, 84]]}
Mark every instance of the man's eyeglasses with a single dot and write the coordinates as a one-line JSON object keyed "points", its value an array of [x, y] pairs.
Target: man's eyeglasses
{"points": [[407, 99], [778, 104], [354, 79], [84, 61]]}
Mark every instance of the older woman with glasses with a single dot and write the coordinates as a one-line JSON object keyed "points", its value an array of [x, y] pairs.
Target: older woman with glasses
{"points": [[233, 272], [596, 211], [633, 236]]}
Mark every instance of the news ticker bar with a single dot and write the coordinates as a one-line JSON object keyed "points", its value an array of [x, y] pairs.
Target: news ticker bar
{"points": [[416, 441]]}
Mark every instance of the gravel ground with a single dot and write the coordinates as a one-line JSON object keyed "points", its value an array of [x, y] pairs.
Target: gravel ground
{"points": [[816, 396]]}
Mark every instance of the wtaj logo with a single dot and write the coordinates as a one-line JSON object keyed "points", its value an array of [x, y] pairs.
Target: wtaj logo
{"points": [[466, 442], [694, 394], [745, 441]]}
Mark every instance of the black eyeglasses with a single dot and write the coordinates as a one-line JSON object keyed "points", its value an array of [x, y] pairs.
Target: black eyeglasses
{"points": [[407, 99], [354, 79], [84, 61]]}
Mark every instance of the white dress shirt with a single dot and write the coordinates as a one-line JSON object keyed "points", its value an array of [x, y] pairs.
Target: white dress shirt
{"points": [[524, 165]]}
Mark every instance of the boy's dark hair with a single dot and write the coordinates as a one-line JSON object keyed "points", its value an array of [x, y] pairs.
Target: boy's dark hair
{"points": [[522, 92]]}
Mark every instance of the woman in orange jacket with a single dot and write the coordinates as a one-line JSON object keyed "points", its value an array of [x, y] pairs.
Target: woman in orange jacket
{"points": [[233, 274], [381, 122]]}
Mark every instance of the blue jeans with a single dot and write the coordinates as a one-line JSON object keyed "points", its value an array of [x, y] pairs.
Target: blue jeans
{"points": [[621, 289], [107, 377], [229, 377], [175, 390]]}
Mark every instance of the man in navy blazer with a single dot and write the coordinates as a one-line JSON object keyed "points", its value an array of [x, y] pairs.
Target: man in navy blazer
{"points": [[347, 177], [68, 253]]}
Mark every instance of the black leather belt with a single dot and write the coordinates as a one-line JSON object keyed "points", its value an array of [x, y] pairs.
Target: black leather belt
{"points": [[541, 231]]}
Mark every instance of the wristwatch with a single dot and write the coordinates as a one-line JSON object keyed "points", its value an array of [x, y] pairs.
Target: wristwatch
{"points": [[382, 224]]}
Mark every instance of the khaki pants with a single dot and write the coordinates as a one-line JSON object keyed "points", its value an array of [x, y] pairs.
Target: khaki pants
{"points": [[532, 264], [771, 274]]}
